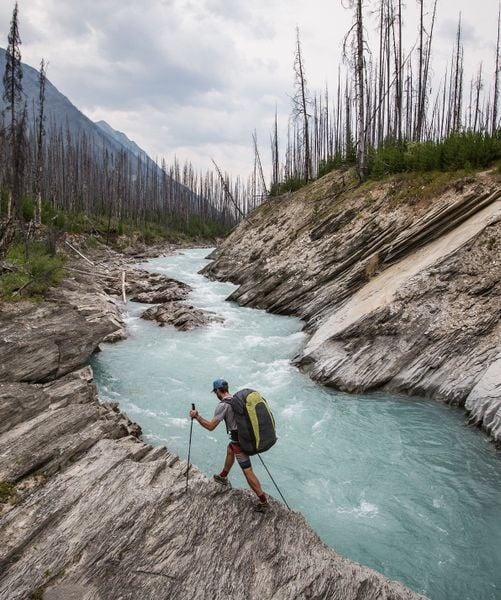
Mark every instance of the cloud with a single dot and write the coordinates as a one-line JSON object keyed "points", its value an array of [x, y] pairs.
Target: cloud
{"points": [[449, 29], [117, 52], [195, 77]]}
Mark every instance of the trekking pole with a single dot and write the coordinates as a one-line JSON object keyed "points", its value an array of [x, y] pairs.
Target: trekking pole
{"points": [[274, 482], [189, 451]]}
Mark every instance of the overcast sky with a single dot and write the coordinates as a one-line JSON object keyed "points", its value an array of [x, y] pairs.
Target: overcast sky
{"points": [[194, 78]]}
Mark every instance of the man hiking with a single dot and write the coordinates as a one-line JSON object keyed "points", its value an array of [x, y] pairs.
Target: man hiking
{"points": [[224, 411]]}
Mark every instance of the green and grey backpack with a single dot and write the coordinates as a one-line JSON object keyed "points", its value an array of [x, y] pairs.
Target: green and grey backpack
{"points": [[255, 422]]}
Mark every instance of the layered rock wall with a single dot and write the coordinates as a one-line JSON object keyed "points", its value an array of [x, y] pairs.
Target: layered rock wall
{"points": [[401, 292]]}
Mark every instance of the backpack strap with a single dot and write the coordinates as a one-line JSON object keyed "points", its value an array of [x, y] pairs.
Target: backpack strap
{"points": [[227, 401]]}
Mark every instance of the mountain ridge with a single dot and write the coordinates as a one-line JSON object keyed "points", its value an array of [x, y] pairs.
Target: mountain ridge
{"points": [[62, 113], [121, 138]]}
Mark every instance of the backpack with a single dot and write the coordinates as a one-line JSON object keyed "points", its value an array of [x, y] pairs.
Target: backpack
{"points": [[255, 422]]}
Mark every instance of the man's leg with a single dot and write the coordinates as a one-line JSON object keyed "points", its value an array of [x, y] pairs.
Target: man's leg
{"points": [[230, 459], [253, 481], [246, 466], [228, 463]]}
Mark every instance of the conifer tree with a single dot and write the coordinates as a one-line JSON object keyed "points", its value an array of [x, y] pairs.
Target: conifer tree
{"points": [[13, 74]]}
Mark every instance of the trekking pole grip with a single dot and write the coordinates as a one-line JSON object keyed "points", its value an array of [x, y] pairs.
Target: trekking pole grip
{"points": [[192, 408]]}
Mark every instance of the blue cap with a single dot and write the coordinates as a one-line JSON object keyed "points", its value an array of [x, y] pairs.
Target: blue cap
{"points": [[218, 384]]}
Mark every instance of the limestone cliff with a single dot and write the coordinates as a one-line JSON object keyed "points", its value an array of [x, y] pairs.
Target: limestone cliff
{"points": [[398, 282], [90, 512]]}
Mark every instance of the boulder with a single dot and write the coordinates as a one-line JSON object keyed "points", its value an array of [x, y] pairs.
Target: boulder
{"points": [[182, 316], [116, 336], [148, 288]]}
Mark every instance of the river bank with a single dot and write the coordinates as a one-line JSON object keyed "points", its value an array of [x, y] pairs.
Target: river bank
{"points": [[89, 509], [399, 283]]}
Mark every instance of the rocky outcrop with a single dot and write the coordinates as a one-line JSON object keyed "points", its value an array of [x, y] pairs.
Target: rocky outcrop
{"points": [[49, 426], [49, 410], [148, 288], [88, 511], [399, 287], [427, 325], [484, 400], [118, 524], [168, 294], [182, 316], [41, 342]]}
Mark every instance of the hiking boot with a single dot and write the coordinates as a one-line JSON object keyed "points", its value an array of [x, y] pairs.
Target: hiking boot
{"points": [[262, 507], [221, 480]]}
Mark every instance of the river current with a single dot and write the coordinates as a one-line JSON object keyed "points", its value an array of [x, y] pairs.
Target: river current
{"points": [[396, 483]]}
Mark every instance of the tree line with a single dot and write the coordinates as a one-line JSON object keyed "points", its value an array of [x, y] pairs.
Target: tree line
{"points": [[383, 116], [48, 173]]}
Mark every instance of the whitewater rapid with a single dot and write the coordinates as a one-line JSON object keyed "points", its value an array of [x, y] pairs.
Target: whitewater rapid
{"points": [[396, 483]]}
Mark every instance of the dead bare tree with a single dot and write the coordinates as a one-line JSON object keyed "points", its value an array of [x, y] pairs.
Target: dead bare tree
{"points": [[478, 89], [13, 96], [300, 105], [398, 73], [457, 86], [42, 78], [275, 158], [259, 164], [495, 100], [358, 60], [227, 190]]}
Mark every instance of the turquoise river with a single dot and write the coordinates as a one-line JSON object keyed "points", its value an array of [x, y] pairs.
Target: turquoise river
{"points": [[396, 483]]}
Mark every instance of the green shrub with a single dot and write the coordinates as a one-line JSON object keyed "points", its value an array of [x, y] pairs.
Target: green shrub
{"points": [[149, 235], [331, 163], [35, 272], [48, 213], [91, 242], [292, 184], [459, 151], [350, 151], [201, 228], [11, 282], [28, 208], [4, 201]]}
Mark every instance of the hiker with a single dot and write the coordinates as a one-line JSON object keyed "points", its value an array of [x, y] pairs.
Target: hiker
{"points": [[225, 411]]}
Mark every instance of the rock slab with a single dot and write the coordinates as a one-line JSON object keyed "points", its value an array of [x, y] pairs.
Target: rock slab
{"points": [[119, 524]]}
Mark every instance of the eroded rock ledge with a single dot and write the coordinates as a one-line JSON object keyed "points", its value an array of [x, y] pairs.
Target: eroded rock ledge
{"points": [[403, 295], [118, 524], [93, 513]]}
